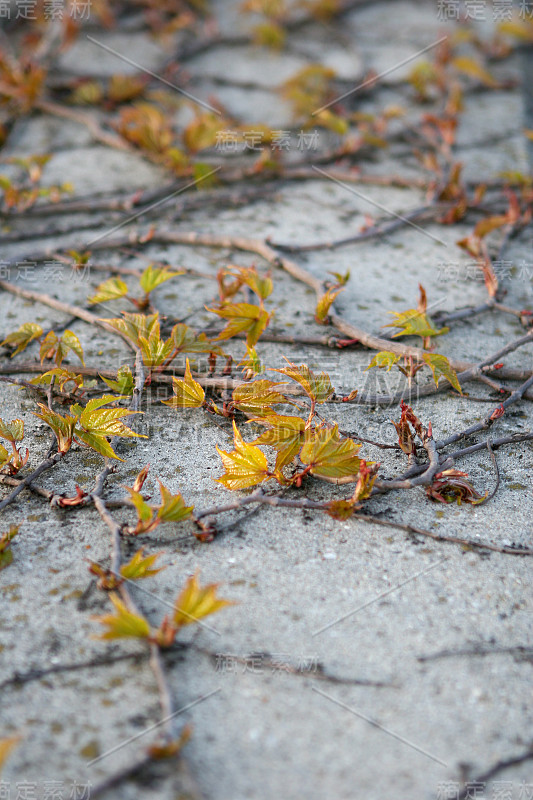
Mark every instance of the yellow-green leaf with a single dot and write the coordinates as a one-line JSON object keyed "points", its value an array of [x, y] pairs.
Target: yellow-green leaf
{"points": [[196, 602], [153, 277], [475, 70], [21, 338], [245, 466], [187, 392], [111, 289], [172, 508], [285, 434], [414, 323], [140, 566], [324, 304], [317, 387], [123, 623], [328, 455], [154, 350], [384, 359], [124, 382], [242, 317], [440, 367], [12, 431], [256, 397]]}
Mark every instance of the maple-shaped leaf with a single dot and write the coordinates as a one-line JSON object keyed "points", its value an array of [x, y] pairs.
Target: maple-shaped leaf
{"points": [[475, 70], [324, 304], [414, 323], [242, 317], [329, 456], [59, 374], [187, 341], [6, 556], [132, 326], [12, 431], [245, 466], [172, 508], [440, 367], [196, 602], [153, 277], [63, 427], [123, 623], [68, 341], [384, 360], [187, 392], [94, 423], [285, 434], [317, 387], [6, 746], [112, 289], [21, 338], [124, 382], [58, 348], [257, 397], [154, 350], [140, 566], [261, 285]]}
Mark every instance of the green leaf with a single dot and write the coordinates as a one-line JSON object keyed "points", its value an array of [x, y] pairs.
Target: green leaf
{"points": [[317, 387], [63, 376], [63, 427], [172, 508], [6, 555], [124, 382], [153, 277], [123, 623], [384, 359], [21, 338], [140, 566], [187, 393], [257, 397], [245, 466], [440, 367], [111, 289], [12, 431], [5, 456], [285, 434], [154, 350], [242, 317], [133, 326], [69, 341], [328, 455], [187, 341], [196, 602], [414, 323]]}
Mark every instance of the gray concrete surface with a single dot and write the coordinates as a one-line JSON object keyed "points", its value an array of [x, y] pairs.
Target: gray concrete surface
{"points": [[266, 732]]}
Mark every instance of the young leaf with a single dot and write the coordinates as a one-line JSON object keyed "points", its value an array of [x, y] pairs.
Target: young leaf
{"points": [[133, 326], [154, 350], [187, 392], [6, 746], [6, 556], [5, 456], [285, 435], [242, 317], [123, 623], [450, 486], [251, 363], [63, 427], [257, 397], [124, 382], [196, 602], [153, 277], [440, 367], [63, 376], [111, 289], [146, 519], [414, 323], [140, 566], [384, 359], [95, 423], [21, 338], [261, 285], [187, 341], [328, 455], [12, 431], [172, 508], [317, 387], [324, 304], [48, 346], [245, 466]]}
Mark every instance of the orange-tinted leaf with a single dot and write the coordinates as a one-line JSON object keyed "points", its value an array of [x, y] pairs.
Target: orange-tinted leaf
{"points": [[245, 466], [328, 455]]}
